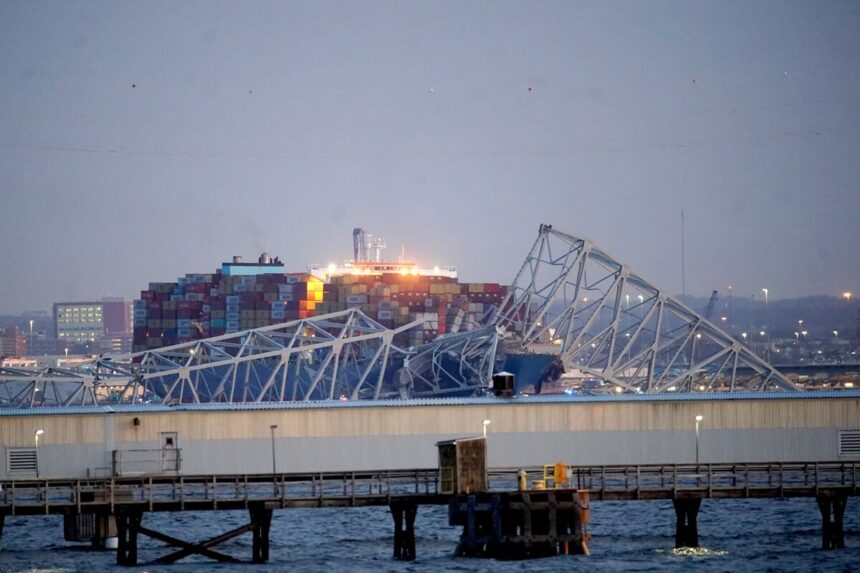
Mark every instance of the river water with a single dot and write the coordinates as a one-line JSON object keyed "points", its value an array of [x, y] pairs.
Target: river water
{"points": [[736, 535]]}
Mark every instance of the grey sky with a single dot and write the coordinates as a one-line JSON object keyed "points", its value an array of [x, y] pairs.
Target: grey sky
{"points": [[280, 126]]}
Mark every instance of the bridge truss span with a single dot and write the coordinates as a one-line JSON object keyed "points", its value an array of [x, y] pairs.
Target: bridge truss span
{"points": [[607, 321]]}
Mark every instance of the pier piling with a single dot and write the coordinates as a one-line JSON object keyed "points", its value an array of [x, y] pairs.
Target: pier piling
{"points": [[686, 528], [261, 521], [127, 528], [519, 524], [832, 508], [404, 513]]}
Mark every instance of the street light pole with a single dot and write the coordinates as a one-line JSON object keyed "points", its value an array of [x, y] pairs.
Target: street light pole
{"points": [[30, 346], [699, 418], [38, 433], [273, 427], [767, 321], [847, 296]]}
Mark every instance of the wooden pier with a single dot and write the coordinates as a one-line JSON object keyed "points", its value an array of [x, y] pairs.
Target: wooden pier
{"points": [[127, 500]]}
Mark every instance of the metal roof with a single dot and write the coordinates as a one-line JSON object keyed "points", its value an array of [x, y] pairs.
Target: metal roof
{"points": [[433, 402]]}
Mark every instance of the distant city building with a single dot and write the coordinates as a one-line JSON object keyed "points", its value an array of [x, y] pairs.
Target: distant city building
{"points": [[19, 362], [42, 345], [13, 342], [78, 322], [101, 326], [117, 343]]}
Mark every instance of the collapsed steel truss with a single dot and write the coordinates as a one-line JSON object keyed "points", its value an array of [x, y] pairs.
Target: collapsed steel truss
{"points": [[608, 322], [22, 388], [569, 297], [343, 355], [455, 364]]}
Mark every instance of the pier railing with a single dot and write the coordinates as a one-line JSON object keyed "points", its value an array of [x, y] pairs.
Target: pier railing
{"points": [[366, 488], [631, 482], [207, 492]]}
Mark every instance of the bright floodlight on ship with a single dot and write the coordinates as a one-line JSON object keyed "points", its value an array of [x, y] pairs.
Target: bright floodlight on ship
{"points": [[484, 424], [331, 268]]}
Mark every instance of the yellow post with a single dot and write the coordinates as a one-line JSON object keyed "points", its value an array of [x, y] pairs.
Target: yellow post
{"points": [[559, 475], [522, 480]]}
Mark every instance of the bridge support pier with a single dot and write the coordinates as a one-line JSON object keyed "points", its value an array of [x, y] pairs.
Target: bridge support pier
{"points": [[686, 528], [404, 513], [832, 508]]}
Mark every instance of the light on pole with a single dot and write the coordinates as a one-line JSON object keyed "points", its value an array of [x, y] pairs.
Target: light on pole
{"points": [[484, 424], [699, 418], [37, 434], [273, 427], [30, 347], [847, 296], [767, 321]]}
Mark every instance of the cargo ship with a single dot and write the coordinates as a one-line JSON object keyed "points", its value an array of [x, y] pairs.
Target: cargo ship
{"points": [[242, 295]]}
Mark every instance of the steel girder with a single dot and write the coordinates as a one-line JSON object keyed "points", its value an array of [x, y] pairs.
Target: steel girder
{"points": [[606, 321], [343, 355], [24, 388], [454, 364]]}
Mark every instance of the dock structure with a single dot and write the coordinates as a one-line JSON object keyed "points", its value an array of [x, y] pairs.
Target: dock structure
{"points": [[501, 521]]}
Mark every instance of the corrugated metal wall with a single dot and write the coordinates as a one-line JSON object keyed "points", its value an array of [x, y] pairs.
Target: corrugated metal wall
{"points": [[381, 437]]}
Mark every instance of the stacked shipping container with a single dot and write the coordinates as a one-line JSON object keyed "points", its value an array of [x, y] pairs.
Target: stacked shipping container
{"points": [[394, 299], [199, 306], [204, 305]]}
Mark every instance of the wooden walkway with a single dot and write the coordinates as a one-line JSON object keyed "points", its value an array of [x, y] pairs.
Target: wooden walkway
{"points": [[126, 499], [379, 488], [719, 481], [218, 492]]}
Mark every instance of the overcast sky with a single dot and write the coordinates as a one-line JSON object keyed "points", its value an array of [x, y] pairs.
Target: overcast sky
{"points": [[140, 141]]}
